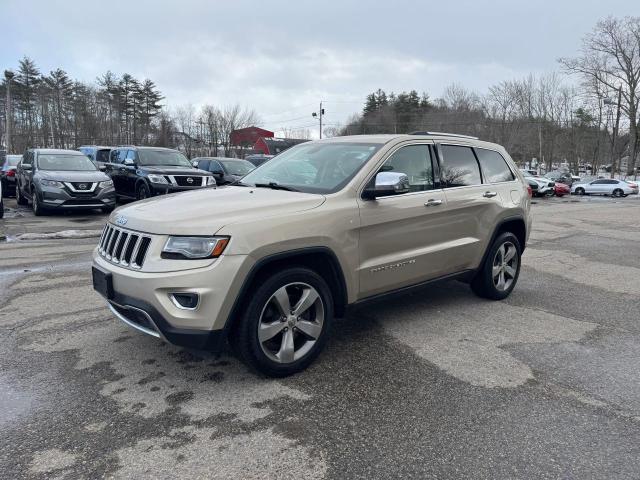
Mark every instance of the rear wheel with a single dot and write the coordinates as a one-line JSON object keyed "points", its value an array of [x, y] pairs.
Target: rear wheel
{"points": [[499, 273], [285, 325], [618, 193]]}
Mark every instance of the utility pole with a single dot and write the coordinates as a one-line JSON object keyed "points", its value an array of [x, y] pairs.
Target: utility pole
{"points": [[314, 115], [8, 75]]}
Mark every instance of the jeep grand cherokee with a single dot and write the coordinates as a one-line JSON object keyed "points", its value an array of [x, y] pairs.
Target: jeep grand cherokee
{"points": [[270, 261]]}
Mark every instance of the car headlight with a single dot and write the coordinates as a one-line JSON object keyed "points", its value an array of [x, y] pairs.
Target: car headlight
{"points": [[153, 178], [106, 184], [51, 183], [211, 181], [194, 247]]}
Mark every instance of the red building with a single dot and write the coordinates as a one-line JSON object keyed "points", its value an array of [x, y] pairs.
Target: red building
{"points": [[246, 137], [273, 146]]}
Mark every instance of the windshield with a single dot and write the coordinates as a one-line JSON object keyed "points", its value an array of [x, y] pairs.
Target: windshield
{"points": [[237, 167], [13, 160], [163, 158], [71, 163], [314, 167]]}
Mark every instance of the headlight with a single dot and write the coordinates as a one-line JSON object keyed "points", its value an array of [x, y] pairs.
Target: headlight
{"points": [[211, 181], [194, 247], [156, 178], [51, 183], [106, 184]]}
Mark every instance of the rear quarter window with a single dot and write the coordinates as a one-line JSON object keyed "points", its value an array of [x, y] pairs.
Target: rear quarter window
{"points": [[494, 166]]}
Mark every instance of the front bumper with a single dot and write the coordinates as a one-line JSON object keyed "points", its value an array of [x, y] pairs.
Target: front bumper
{"points": [[142, 300], [59, 198]]}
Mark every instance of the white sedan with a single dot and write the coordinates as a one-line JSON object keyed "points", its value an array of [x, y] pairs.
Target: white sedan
{"points": [[605, 186]]}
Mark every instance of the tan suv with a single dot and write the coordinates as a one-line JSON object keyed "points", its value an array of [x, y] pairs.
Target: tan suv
{"points": [[269, 261]]}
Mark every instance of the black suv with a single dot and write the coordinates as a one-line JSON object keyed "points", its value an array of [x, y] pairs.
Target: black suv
{"points": [[141, 172]]}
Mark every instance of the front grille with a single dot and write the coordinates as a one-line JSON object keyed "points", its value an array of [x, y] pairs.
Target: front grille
{"points": [[123, 247], [183, 180], [82, 186]]}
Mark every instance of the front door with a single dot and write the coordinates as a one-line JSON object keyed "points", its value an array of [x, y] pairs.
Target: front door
{"points": [[402, 236]]}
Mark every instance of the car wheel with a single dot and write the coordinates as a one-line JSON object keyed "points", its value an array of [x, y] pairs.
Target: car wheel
{"points": [[617, 193], [498, 274], [20, 200], [286, 323], [142, 191], [579, 191], [38, 210], [1, 207]]}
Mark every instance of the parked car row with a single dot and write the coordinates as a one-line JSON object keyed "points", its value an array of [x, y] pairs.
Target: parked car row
{"points": [[560, 184]]}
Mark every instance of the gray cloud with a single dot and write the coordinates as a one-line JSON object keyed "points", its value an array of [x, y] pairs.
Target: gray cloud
{"points": [[281, 57]]}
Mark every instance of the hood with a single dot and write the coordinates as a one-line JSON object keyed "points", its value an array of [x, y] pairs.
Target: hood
{"points": [[66, 176], [206, 211], [172, 170]]}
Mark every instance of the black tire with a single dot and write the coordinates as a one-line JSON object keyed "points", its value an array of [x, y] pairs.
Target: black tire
{"points": [[38, 209], [483, 284], [579, 191], [142, 191], [618, 193], [107, 209], [5, 190], [244, 336], [20, 200], [1, 207]]}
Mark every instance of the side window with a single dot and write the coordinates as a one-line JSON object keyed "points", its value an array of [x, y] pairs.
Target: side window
{"points": [[203, 164], [215, 166], [122, 154], [598, 182], [459, 166], [415, 162], [131, 155], [113, 156], [494, 167]]}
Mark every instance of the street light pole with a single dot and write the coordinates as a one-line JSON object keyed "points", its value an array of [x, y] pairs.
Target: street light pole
{"points": [[8, 75], [320, 115]]}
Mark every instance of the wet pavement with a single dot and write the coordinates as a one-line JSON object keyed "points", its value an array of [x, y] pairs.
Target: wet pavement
{"points": [[432, 384]]}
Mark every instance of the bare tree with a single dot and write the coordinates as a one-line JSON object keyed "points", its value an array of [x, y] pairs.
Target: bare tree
{"points": [[610, 56], [232, 118]]}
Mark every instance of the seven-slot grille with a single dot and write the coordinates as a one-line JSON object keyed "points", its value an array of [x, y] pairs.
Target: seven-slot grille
{"points": [[123, 247]]}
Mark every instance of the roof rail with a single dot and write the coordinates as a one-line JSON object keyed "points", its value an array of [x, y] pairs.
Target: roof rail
{"points": [[443, 134]]}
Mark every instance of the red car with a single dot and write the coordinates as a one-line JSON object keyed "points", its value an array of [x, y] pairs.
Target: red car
{"points": [[560, 189]]}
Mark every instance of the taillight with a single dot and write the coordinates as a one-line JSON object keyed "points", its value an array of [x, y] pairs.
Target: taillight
{"points": [[530, 190], [11, 173]]}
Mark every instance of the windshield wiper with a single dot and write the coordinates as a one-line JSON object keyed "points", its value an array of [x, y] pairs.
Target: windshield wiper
{"points": [[276, 186]]}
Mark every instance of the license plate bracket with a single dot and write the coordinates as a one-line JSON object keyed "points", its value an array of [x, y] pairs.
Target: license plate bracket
{"points": [[102, 282]]}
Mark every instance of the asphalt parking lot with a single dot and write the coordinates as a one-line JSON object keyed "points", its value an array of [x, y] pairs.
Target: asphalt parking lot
{"points": [[433, 384]]}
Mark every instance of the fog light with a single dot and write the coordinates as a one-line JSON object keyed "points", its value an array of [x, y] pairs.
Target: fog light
{"points": [[185, 301]]}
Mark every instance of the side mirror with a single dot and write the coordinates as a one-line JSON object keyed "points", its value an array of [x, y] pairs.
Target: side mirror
{"points": [[386, 184], [129, 162], [26, 166]]}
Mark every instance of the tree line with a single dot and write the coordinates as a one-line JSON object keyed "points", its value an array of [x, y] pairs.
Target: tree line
{"points": [[594, 122], [55, 111]]}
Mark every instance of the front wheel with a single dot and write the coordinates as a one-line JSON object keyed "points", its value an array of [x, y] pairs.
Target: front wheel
{"points": [[20, 200], [38, 210], [286, 323], [142, 191], [499, 273], [579, 191]]}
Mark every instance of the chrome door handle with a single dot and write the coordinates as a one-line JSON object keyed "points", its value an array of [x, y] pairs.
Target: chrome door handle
{"points": [[489, 194], [432, 202]]}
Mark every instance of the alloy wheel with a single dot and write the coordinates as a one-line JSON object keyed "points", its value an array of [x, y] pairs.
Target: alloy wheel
{"points": [[505, 266], [291, 322]]}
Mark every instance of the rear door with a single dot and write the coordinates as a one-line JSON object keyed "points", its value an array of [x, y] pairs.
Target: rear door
{"points": [[473, 207], [130, 173], [402, 236]]}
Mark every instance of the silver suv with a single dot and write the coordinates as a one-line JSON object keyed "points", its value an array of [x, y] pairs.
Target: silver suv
{"points": [[269, 261]]}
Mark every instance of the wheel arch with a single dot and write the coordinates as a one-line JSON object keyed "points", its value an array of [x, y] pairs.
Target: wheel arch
{"points": [[514, 224], [322, 260]]}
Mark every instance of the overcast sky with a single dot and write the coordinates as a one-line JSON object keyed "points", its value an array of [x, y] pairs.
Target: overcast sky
{"points": [[281, 58]]}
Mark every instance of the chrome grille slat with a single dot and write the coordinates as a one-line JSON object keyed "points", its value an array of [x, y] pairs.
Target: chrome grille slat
{"points": [[123, 247]]}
